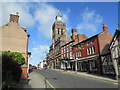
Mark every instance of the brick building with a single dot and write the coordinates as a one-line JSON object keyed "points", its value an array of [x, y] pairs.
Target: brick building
{"points": [[67, 49], [91, 51], [66, 55], [14, 38], [60, 36]]}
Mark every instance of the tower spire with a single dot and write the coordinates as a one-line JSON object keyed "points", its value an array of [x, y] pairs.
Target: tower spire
{"points": [[59, 16]]}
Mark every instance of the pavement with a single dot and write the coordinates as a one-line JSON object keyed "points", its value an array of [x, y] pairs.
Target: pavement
{"points": [[85, 74], [35, 80]]}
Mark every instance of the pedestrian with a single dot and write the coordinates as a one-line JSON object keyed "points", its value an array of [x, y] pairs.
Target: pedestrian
{"points": [[66, 65], [45, 66]]}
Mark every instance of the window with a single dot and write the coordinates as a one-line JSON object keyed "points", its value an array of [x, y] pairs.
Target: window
{"points": [[70, 48], [67, 55], [88, 43], [61, 31], [78, 53], [93, 64], [67, 48], [70, 53], [91, 50], [92, 41], [58, 30], [64, 51]]}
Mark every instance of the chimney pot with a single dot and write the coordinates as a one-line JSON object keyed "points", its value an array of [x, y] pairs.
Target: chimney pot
{"points": [[74, 33], [17, 13], [105, 28]]}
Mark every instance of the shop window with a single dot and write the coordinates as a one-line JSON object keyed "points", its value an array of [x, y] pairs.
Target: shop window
{"points": [[93, 64]]}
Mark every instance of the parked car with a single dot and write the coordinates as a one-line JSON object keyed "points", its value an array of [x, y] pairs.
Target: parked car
{"points": [[33, 67]]}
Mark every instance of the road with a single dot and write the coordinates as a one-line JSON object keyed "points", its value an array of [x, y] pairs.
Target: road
{"points": [[66, 80]]}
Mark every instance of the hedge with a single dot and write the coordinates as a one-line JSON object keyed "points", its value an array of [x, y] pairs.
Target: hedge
{"points": [[11, 68]]}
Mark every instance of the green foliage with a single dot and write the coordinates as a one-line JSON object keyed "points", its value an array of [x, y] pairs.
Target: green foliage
{"points": [[66, 58], [16, 56], [11, 68], [57, 61]]}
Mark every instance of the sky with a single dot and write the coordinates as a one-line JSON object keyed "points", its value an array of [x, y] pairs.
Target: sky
{"points": [[38, 17]]}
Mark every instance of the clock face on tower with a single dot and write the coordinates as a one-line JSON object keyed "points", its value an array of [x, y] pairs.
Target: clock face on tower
{"points": [[59, 18]]}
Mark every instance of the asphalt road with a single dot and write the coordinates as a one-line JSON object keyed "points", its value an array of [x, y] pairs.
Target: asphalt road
{"points": [[64, 80]]}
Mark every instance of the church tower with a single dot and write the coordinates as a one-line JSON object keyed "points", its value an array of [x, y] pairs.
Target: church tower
{"points": [[58, 28]]}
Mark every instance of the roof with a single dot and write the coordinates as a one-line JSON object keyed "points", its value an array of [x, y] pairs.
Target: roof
{"points": [[68, 43], [86, 39], [23, 28], [117, 32]]}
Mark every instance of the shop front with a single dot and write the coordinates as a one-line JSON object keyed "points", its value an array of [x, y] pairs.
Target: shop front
{"points": [[87, 64]]}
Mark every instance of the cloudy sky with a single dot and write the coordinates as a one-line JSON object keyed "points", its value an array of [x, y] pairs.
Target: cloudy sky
{"points": [[38, 18]]}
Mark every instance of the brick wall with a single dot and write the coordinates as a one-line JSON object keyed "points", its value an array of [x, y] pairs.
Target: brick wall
{"points": [[104, 40]]}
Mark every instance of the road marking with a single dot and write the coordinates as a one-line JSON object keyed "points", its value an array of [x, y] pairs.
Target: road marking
{"points": [[48, 82]]}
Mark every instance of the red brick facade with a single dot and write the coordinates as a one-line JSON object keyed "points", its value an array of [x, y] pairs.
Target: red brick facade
{"points": [[89, 50]]}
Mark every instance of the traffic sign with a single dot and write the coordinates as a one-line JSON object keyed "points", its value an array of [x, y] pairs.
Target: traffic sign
{"points": [[76, 59]]}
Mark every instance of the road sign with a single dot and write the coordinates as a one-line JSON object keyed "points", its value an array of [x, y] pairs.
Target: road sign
{"points": [[76, 59]]}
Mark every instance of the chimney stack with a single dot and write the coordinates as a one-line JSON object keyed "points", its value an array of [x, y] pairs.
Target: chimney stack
{"points": [[74, 33], [14, 18], [105, 28]]}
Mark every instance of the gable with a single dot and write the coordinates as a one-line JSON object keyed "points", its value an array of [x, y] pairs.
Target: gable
{"points": [[13, 30]]}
